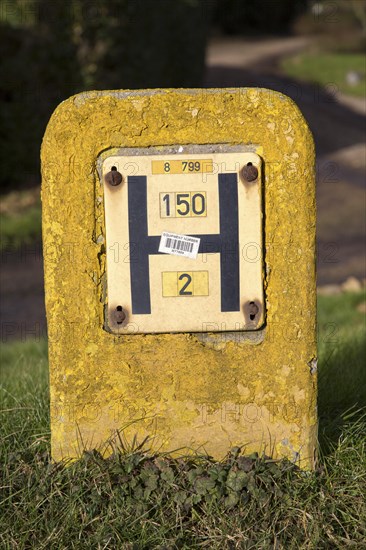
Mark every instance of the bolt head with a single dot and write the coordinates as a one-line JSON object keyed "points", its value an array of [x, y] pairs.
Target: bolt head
{"points": [[250, 172], [113, 178], [253, 308], [119, 315]]}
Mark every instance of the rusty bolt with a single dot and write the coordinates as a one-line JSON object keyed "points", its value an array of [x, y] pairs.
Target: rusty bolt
{"points": [[119, 315], [113, 177], [253, 310], [250, 172]]}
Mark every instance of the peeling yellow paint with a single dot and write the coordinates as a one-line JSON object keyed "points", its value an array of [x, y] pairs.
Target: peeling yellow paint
{"points": [[182, 390]]}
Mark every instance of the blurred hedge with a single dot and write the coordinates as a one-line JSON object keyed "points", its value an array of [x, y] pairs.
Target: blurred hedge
{"points": [[52, 49], [38, 69], [248, 17]]}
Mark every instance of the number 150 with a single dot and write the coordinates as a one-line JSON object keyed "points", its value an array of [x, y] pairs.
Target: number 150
{"points": [[176, 205]]}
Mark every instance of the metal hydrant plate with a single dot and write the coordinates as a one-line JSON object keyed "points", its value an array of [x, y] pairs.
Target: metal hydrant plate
{"points": [[183, 239]]}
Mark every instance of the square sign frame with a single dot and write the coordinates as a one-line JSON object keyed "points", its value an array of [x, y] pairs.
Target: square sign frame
{"points": [[184, 191], [202, 391]]}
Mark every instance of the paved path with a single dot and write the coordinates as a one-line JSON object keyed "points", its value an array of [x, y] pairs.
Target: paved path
{"points": [[22, 309], [241, 53]]}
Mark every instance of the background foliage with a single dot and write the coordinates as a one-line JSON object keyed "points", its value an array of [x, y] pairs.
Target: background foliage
{"points": [[260, 16], [53, 49]]}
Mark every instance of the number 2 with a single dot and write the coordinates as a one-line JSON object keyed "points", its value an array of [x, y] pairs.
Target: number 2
{"points": [[183, 291]]}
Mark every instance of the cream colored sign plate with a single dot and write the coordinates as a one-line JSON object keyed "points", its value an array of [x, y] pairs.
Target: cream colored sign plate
{"points": [[205, 217]]}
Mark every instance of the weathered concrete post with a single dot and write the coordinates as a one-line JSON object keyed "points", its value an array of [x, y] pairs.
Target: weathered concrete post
{"points": [[179, 232]]}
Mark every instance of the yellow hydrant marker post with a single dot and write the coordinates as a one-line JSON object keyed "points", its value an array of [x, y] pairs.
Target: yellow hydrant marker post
{"points": [[179, 250]]}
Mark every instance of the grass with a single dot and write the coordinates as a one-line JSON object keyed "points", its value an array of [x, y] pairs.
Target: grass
{"points": [[135, 500], [328, 69], [20, 218], [342, 374]]}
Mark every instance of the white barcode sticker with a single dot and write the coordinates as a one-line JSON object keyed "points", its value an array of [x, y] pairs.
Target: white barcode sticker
{"points": [[179, 245]]}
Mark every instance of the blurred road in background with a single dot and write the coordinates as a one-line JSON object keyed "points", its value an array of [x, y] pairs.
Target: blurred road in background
{"points": [[338, 125]]}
